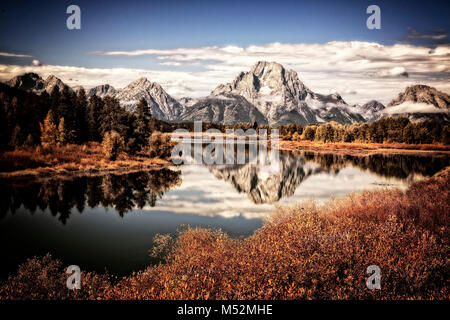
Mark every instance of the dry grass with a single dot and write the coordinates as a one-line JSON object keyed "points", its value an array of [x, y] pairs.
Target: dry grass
{"points": [[305, 252], [73, 158]]}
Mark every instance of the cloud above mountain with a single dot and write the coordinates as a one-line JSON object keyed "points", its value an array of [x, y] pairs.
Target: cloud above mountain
{"points": [[14, 55], [360, 71]]}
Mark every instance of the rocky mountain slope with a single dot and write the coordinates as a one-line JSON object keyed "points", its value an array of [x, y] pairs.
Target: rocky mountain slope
{"points": [[420, 93], [33, 82], [420, 102], [371, 110], [226, 109], [268, 93], [102, 91], [282, 98], [161, 104]]}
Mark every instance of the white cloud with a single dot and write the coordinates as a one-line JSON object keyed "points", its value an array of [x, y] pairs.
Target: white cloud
{"points": [[359, 71], [410, 107], [14, 55], [36, 63]]}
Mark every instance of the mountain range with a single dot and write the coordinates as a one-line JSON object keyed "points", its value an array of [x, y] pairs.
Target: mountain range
{"points": [[267, 94]]}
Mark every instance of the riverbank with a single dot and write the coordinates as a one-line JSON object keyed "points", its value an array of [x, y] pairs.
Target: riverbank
{"points": [[88, 159], [307, 145], [364, 148], [71, 160], [308, 251]]}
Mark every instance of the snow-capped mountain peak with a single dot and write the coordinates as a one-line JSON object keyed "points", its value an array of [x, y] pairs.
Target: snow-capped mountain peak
{"points": [[161, 104], [282, 98]]}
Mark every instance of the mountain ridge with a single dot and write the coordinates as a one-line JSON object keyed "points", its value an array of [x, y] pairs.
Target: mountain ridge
{"points": [[267, 94]]}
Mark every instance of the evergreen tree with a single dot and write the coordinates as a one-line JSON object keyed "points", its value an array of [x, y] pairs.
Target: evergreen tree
{"points": [[141, 126], [16, 137], [80, 115], [93, 121]]}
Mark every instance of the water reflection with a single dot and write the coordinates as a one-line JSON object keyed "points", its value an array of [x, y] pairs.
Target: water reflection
{"points": [[123, 192], [262, 187]]}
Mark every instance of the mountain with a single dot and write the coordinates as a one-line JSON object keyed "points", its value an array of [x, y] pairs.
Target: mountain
{"points": [[77, 89], [161, 104], [421, 93], [187, 102], [267, 94], [282, 98], [226, 109], [371, 110], [102, 91], [420, 102], [33, 82]]}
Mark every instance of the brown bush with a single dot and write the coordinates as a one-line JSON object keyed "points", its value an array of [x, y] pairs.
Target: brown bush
{"points": [[45, 279]]}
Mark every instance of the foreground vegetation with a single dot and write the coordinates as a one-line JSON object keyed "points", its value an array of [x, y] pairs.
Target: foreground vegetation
{"points": [[303, 252]]}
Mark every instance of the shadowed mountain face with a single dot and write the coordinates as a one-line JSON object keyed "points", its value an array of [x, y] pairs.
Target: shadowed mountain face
{"points": [[34, 83], [225, 109]]}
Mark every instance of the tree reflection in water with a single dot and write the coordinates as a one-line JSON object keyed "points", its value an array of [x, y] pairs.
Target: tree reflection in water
{"points": [[123, 192]]}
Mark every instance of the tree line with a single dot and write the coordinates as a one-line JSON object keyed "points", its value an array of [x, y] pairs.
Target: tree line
{"points": [[64, 116], [384, 130]]}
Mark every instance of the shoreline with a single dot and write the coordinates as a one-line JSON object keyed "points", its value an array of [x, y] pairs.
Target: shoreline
{"points": [[364, 149], [71, 160], [307, 145], [93, 162]]}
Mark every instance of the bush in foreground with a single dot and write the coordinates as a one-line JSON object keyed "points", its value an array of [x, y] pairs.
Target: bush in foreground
{"points": [[304, 252]]}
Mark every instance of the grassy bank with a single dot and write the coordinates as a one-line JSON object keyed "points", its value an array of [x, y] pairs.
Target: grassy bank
{"points": [[363, 147], [70, 159], [303, 252]]}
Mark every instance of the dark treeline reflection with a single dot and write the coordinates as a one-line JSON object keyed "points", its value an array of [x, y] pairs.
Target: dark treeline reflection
{"points": [[385, 165], [122, 192]]}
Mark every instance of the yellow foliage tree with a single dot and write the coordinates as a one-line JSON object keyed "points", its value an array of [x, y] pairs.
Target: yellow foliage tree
{"points": [[62, 134], [113, 144], [49, 132]]}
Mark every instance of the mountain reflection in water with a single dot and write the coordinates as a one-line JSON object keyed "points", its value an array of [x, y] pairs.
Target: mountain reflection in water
{"points": [[125, 192]]}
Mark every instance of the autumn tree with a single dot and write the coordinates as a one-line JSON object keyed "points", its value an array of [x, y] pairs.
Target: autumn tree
{"points": [[113, 144], [62, 133], [49, 132]]}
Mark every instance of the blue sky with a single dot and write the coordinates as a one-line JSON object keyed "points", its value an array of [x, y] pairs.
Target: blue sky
{"points": [[38, 30]]}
